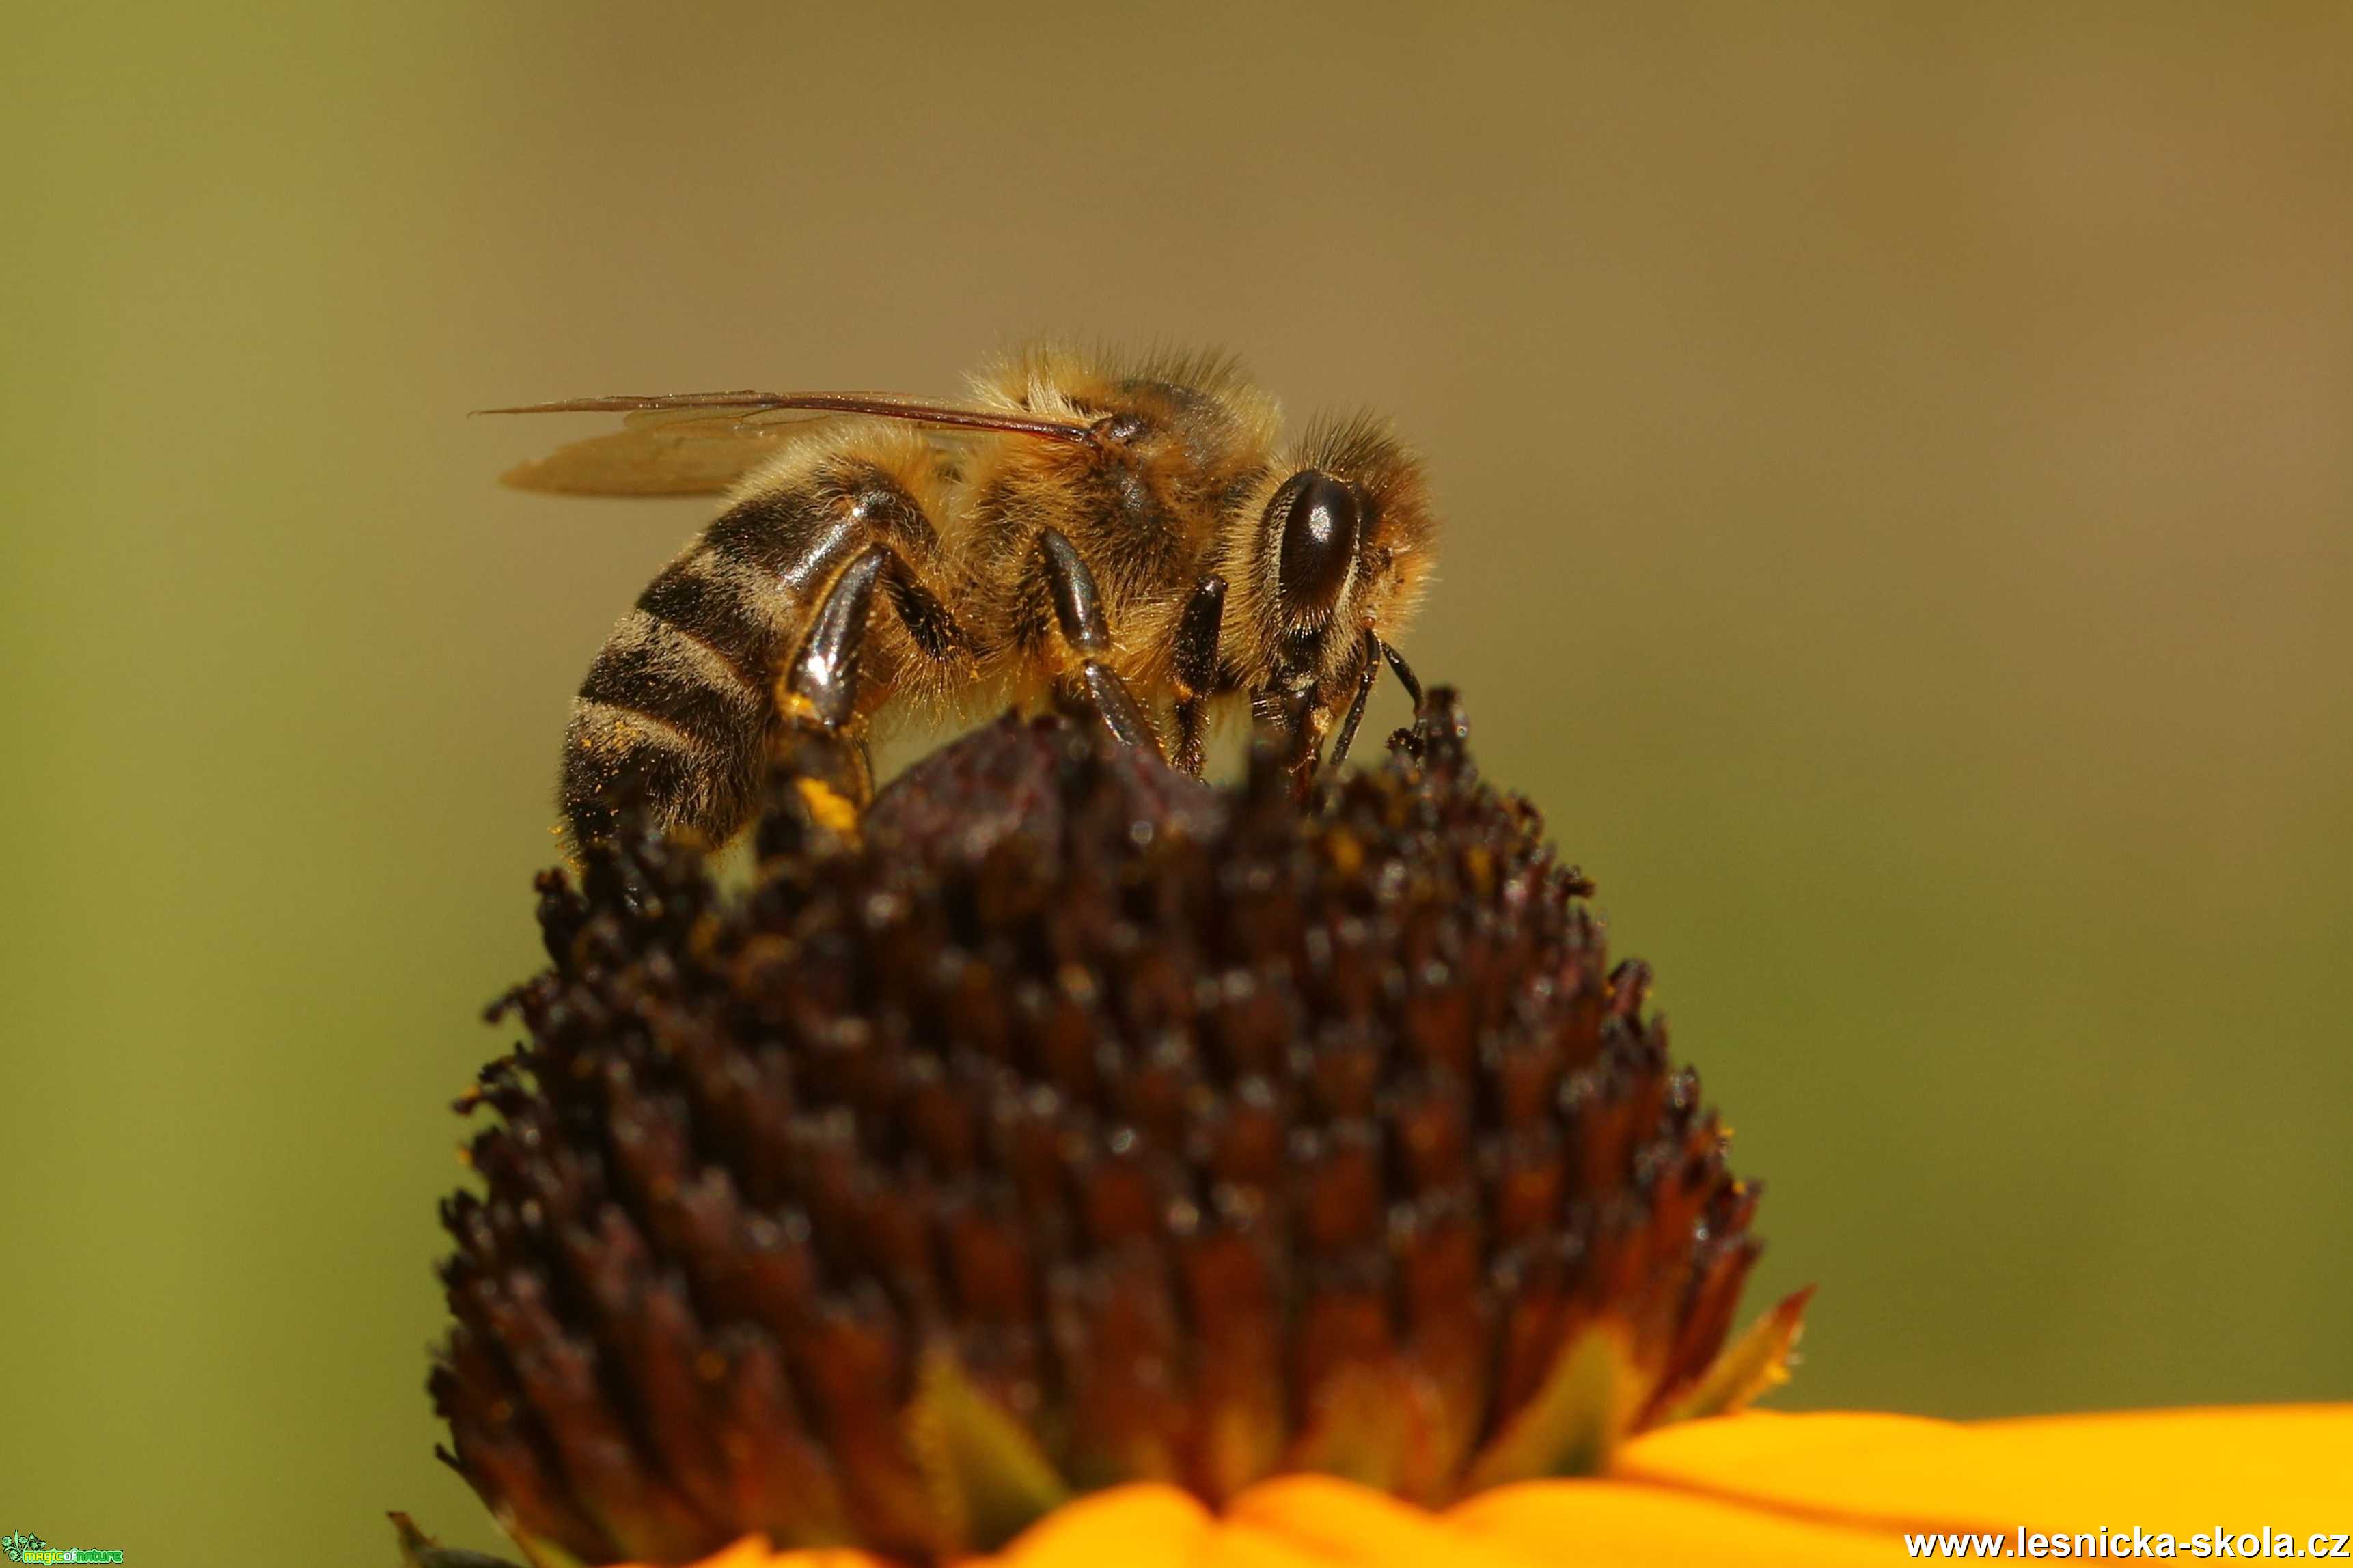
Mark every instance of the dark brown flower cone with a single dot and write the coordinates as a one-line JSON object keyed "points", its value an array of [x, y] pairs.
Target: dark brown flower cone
{"points": [[1079, 1123]]}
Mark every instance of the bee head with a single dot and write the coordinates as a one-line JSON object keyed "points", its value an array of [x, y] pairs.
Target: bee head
{"points": [[1341, 548]]}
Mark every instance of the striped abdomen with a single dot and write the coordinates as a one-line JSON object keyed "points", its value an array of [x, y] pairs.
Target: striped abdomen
{"points": [[677, 708]]}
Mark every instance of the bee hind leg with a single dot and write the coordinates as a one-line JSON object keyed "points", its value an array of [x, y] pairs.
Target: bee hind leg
{"points": [[1078, 606], [821, 779]]}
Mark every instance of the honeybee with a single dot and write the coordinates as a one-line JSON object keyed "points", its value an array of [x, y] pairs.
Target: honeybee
{"points": [[1127, 537]]}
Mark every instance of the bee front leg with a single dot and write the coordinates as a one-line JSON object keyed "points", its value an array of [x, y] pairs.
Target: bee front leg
{"points": [[1078, 606], [1197, 668], [1376, 653], [1355, 716], [1405, 675]]}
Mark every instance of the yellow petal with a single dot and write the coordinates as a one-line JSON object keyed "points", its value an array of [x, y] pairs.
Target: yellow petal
{"points": [[1608, 1524], [2181, 1472], [1755, 1490], [739, 1556], [1142, 1526], [1339, 1522], [754, 1551], [1237, 1544]]}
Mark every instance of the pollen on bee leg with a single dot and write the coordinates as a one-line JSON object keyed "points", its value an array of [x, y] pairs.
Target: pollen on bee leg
{"points": [[796, 710], [828, 806]]}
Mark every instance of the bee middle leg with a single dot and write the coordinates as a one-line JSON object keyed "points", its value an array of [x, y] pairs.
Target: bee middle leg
{"points": [[1078, 608], [1197, 668]]}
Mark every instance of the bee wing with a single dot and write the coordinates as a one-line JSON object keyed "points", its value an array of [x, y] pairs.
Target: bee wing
{"points": [[701, 443]]}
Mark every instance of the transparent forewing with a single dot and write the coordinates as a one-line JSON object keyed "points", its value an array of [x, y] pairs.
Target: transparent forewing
{"points": [[702, 443], [676, 454]]}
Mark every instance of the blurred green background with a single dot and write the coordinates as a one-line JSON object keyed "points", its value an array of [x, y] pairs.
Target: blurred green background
{"points": [[1901, 528]]}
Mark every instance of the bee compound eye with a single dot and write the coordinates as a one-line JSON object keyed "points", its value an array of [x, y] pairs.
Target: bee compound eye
{"points": [[1322, 517]]}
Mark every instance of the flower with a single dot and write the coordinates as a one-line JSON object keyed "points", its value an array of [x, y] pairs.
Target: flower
{"points": [[1081, 1164], [1068, 1124]]}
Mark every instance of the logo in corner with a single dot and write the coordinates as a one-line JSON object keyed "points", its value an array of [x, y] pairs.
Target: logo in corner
{"points": [[30, 1548]]}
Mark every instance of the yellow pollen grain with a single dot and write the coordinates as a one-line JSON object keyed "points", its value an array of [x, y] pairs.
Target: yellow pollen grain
{"points": [[828, 805]]}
